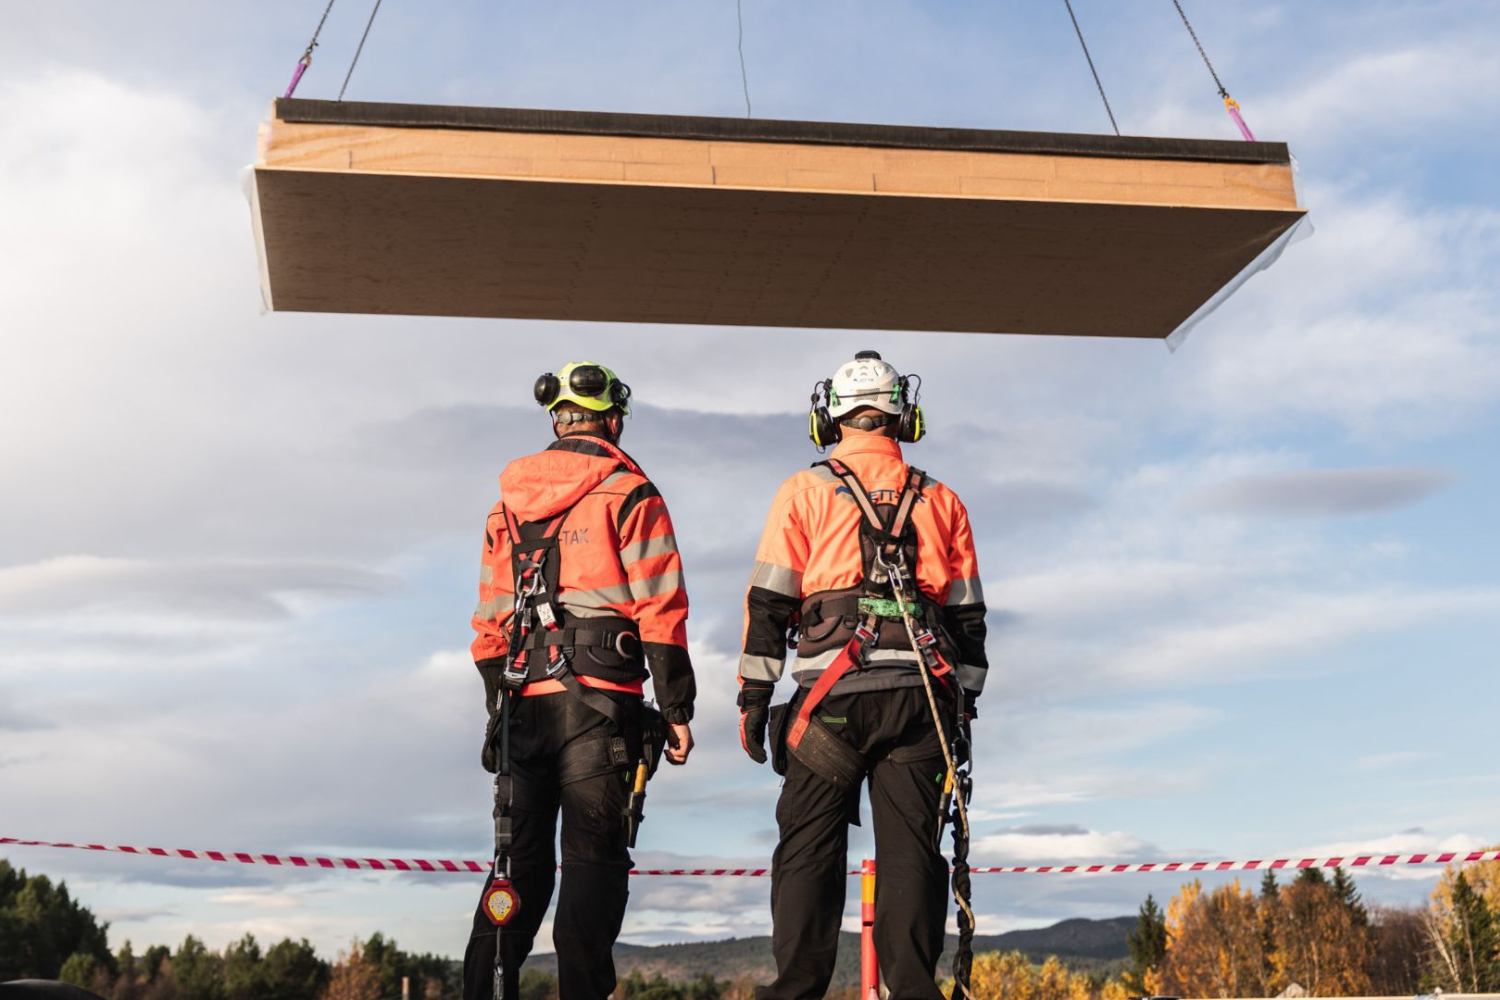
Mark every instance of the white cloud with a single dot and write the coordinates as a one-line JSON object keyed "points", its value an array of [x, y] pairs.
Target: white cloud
{"points": [[1024, 845], [1321, 492], [85, 589], [1381, 324]]}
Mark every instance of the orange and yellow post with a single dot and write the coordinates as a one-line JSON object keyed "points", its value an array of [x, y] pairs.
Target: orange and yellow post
{"points": [[869, 968]]}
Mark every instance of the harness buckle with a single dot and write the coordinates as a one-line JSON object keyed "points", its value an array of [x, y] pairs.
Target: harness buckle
{"points": [[514, 674], [558, 662], [866, 634]]}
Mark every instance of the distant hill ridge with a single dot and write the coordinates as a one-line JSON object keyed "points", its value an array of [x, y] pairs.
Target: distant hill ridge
{"points": [[1095, 946]]}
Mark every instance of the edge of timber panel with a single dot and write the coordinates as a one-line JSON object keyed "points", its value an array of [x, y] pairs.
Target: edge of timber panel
{"points": [[304, 111]]}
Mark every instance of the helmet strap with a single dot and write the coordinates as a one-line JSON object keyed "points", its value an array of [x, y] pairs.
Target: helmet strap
{"points": [[563, 422], [867, 422]]}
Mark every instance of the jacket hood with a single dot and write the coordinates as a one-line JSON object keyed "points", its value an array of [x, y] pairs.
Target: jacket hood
{"points": [[545, 484]]}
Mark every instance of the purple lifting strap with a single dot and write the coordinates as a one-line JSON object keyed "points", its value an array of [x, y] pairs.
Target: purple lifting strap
{"points": [[304, 62], [1233, 107]]}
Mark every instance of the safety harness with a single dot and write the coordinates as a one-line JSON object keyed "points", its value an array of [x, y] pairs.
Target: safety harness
{"points": [[538, 622], [884, 539]]}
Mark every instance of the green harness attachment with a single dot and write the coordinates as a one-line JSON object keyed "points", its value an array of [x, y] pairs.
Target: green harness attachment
{"points": [[884, 607]]}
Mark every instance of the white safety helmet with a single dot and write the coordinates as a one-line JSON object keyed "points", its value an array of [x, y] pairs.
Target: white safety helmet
{"points": [[866, 381]]}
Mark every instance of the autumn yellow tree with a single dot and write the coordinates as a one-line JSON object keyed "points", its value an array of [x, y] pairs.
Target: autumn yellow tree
{"points": [[1318, 942], [1012, 976], [354, 978], [1213, 945]]}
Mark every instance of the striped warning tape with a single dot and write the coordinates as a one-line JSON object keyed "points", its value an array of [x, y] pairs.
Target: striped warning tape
{"points": [[424, 865]]}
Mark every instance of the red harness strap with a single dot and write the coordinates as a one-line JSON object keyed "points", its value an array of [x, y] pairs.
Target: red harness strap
{"points": [[847, 660]]}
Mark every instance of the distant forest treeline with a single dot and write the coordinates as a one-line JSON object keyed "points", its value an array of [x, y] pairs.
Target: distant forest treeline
{"points": [[1313, 932]]}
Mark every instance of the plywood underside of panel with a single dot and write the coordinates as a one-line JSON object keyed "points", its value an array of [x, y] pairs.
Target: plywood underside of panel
{"points": [[988, 235]]}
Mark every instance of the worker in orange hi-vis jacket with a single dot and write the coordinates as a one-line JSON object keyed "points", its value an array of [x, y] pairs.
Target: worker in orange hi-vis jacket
{"points": [[581, 598], [867, 566]]}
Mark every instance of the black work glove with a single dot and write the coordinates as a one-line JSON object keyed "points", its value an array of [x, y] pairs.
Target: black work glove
{"points": [[755, 707]]}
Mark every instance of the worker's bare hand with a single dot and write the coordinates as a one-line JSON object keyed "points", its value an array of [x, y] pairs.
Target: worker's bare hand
{"points": [[680, 743]]}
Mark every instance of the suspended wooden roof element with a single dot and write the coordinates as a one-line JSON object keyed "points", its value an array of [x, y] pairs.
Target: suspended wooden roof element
{"points": [[447, 211]]}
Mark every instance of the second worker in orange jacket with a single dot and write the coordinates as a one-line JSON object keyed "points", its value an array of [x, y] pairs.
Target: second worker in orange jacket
{"points": [[868, 566]]}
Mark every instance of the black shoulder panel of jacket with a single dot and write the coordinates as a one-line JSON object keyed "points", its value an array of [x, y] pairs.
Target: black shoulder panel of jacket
{"points": [[582, 445], [770, 616], [966, 627], [672, 678], [633, 499]]}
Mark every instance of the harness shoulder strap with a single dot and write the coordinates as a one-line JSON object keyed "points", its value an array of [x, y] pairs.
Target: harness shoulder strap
{"points": [[910, 492]]}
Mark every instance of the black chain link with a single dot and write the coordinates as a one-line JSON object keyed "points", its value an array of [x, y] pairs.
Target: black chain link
{"points": [[1102, 96]]}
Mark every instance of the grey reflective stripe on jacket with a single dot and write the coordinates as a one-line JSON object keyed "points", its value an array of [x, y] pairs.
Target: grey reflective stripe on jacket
{"points": [[966, 591], [496, 607], [658, 546], [777, 579]]}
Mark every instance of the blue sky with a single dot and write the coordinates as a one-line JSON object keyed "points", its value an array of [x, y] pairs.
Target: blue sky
{"points": [[1244, 595]]}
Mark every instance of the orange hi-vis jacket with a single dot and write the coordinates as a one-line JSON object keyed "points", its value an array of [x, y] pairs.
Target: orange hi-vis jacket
{"points": [[811, 547], [618, 568]]}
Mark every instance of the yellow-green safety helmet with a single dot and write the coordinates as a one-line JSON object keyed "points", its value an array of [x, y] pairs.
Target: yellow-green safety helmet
{"points": [[586, 383]]}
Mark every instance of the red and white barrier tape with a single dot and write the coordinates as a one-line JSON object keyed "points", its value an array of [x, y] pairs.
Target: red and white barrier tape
{"points": [[423, 865]]}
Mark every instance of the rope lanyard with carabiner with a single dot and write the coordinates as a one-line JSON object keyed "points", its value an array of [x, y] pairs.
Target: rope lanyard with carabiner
{"points": [[958, 784]]}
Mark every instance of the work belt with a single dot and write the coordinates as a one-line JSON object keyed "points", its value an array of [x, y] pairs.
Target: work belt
{"points": [[617, 640]]}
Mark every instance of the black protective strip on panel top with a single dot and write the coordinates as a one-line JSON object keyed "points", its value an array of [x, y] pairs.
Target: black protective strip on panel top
{"points": [[300, 111]]}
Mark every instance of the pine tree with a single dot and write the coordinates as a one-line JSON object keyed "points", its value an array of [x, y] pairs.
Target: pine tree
{"points": [[1268, 887], [1268, 912], [1148, 944], [1343, 886], [1312, 876], [1476, 939]]}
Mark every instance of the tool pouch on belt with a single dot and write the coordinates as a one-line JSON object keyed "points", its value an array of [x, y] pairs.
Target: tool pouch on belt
{"points": [[595, 753], [489, 754], [654, 731], [605, 750], [491, 672], [778, 720], [830, 757]]}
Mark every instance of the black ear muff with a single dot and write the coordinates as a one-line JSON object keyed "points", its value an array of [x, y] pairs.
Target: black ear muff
{"points": [[822, 429], [910, 427], [546, 389]]}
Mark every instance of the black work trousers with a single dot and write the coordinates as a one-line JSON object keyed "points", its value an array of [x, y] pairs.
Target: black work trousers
{"points": [[894, 732], [595, 859]]}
